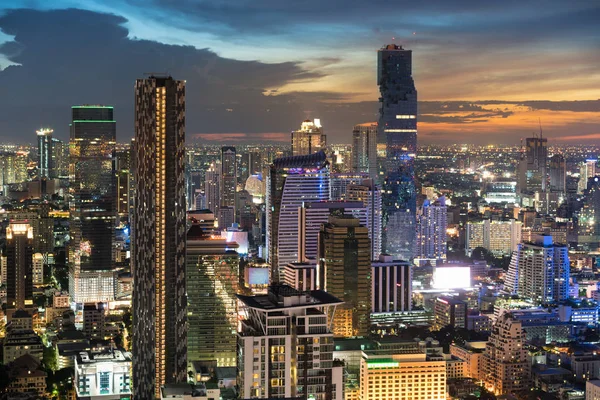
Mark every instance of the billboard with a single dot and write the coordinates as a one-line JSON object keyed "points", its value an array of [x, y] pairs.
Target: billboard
{"points": [[451, 277]]}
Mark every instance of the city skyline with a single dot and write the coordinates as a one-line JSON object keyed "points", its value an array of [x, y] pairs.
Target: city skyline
{"points": [[486, 99]]}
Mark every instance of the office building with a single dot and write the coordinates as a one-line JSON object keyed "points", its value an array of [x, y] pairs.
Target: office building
{"points": [[505, 364], [309, 139], [499, 237], [60, 158], [93, 205], [539, 271], [292, 181], [364, 149], [588, 221], [226, 217], [472, 354], [449, 311], [103, 375], [313, 215], [228, 179], [212, 279], [212, 191], [341, 181], [19, 262], [558, 173], [302, 276], [124, 182], [44, 142], [391, 285], [344, 272], [414, 376], [397, 128], [431, 231], [285, 346], [158, 237], [370, 195], [38, 269], [587, 170], [533, 166]]}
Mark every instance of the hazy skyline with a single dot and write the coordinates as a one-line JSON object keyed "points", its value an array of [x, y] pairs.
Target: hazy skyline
{"points": [[255, 69]]}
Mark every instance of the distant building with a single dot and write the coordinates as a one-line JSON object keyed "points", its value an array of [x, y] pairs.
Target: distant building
{"points": [[498, 237], [228, 179], [558, 173], [431, 231], [309, 139], [449, 311], [45, 158], [364, 149], [291, 353], [370, 195]]}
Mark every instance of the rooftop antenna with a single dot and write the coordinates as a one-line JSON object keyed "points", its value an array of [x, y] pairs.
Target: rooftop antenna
{"points": [[540, 122]]}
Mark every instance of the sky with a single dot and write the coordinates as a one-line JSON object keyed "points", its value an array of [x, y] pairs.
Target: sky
{"points": [[486, 72]]}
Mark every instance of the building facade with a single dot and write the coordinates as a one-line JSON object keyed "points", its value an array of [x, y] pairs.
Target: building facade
{"points": [[309, 138], [432, 223], [228, 178], [158, 237], [19, 263], [364, 149], [391, 285], [370, 195]]}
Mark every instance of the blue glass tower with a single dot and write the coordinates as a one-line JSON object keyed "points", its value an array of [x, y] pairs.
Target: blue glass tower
{"points": [[398, 130]]}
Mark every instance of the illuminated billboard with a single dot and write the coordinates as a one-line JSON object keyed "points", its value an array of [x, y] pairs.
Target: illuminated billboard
{"points": [[446, 277], [257, 276]]}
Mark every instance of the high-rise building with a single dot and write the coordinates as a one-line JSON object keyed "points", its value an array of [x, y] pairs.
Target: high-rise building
{"points": [[313, 215], [398, 130], [533, 166], [60, 158], [123, 168], [588, 221], [449, 311], [45, 158], [93, 203], [413, 376], [587, 170], [431, 231], [345, 272], [370, 195], [539, 271], [158, 237], [19, 262], [364, 149], [285, 346], [212, 279], [499, 237], [228, 177], [505, 364], [292, 182], [558, 173], [341, 181], [212, 184], [309, 139], [391, 285]]}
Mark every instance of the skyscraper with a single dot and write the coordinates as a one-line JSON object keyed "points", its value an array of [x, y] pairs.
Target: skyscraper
{"points": [[309, 139], [158, 237], [124, 178], [45, 158], [370, 195], [345, 272], [212, 277], [587, 170], [431, 231], [292, 181], [60, 158], [397, 128], [505, 364], [19, 262], [228, 177], [93, 203], [212, 183], [558, 173], [533, 166], [364, 149], [539, 271]]}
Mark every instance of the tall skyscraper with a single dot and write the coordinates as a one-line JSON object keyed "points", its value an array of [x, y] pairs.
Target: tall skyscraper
{"points": [[228, 177], [339, 183], [45, 158], [292, 181], [158, 237], [345, 272], [212, 184], [212, 278], [398, 130], [505, 365], [587, 170], [19, 263], [558, 173], [60, 158], [432, 223], [364, 149], [539, 271], [309, 139], [93, 203], [291, 330], [370, 195], [534, 166]]}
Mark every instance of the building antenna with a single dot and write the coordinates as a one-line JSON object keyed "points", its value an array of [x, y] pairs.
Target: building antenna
{"points": [[540, 121]]}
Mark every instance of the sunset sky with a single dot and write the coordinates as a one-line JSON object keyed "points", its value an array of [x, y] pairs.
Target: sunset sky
{"points": [[256, 68]]}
